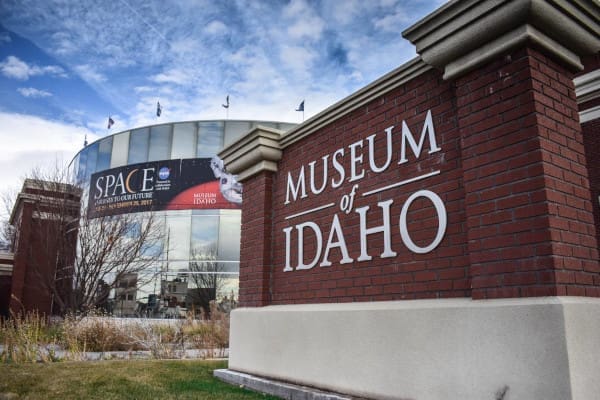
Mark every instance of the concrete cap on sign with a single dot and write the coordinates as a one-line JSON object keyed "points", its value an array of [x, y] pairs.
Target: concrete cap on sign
{"points": [[464, 34], [257, 151]]}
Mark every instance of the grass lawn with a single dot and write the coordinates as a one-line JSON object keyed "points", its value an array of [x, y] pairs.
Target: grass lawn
{"points": [[106, 380]]}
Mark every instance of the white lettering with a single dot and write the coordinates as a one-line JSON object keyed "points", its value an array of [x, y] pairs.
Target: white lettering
{"points": [[300, 187], [407, 135], [288, 244], [319, 245], [312, 175], [339, 168], [385, 229], [354, 160], [442, 222], [388, 160], [336, 230], [147, 178]]}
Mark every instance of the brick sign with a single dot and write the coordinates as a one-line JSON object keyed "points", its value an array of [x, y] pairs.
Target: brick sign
{"points": [[345, 169]]}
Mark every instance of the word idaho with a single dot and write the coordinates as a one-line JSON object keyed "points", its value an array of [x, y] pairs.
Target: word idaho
{"points": [[296, 189]]}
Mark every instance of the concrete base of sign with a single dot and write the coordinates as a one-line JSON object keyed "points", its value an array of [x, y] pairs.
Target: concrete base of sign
{"points": [[276, 388], [529, 348]]}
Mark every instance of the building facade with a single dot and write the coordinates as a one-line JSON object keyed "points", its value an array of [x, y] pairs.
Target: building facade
{"points": [[440, 240], [193, 202]]}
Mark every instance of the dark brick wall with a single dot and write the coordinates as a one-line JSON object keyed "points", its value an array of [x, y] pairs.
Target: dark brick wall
{"points": [[255, 249], [513, 180], [528, 209], [591, 138]]}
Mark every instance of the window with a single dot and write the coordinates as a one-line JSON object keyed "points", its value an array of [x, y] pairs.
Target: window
{"points": [[178, 236], [104, 152], [229, 235], [160, 142], [138, 146], [205, 233], [92, 157], [120, 150], [184, 140], [210, 138]]}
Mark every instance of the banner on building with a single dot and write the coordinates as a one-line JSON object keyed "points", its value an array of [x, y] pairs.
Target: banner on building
{"points": [[199, 183]]}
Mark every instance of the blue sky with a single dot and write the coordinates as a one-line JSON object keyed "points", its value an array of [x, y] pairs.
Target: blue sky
{"points": [[66, 65]]}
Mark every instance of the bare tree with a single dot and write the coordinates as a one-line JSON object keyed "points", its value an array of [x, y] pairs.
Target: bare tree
{"points": [[78, 260], [208, 275], [7, 231]]}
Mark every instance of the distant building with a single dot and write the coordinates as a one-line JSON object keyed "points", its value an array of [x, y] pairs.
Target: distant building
{"points": [[171, 170]]}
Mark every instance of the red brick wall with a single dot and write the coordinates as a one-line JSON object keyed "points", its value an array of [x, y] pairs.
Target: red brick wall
{"points": [[513, 180], [256, 243], [591, 138], [528, 208], [440, 273]]}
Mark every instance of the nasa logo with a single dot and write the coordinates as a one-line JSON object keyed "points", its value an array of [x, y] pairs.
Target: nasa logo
{"points": [[164, 173]]}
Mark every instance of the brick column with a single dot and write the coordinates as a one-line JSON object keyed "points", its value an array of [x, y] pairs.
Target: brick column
{"points": [[255, 249], [254, 159], [24, 218], [530, 227]]}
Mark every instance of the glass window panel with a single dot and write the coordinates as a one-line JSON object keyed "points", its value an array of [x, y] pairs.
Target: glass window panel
{"points": [[92, 157], [210, 138], [235, 130], [104, 152], [227, 293], [138, 146], [206, 212], [178, 236], [160, 142], [120, 150], [229, 237], [77, 168], [205, 233], [184, 140]]}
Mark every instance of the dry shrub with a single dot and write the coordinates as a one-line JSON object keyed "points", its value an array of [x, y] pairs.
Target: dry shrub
{"points": [[27, 338], [97, 333], [211, 333], [31, 338], [163, 341]]}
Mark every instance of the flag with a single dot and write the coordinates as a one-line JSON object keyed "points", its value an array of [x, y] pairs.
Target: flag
{"points": [[158, 109], [226, 105], [301, 107], [110, 122]]}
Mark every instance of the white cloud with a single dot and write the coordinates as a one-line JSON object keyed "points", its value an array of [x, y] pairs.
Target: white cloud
{"points": [[90, 74], [305, 22], [215, 28], [63, 43], [175, 75], [33, 92], [298, 59], [13, 67], [186, 45], [143, 89], [30, 141]]}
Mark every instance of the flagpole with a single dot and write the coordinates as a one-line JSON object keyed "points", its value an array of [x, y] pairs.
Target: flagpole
{"points": [[226, 107]]}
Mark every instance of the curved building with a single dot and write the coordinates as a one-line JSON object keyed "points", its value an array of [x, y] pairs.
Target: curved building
{"points": [[172, 171]]}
